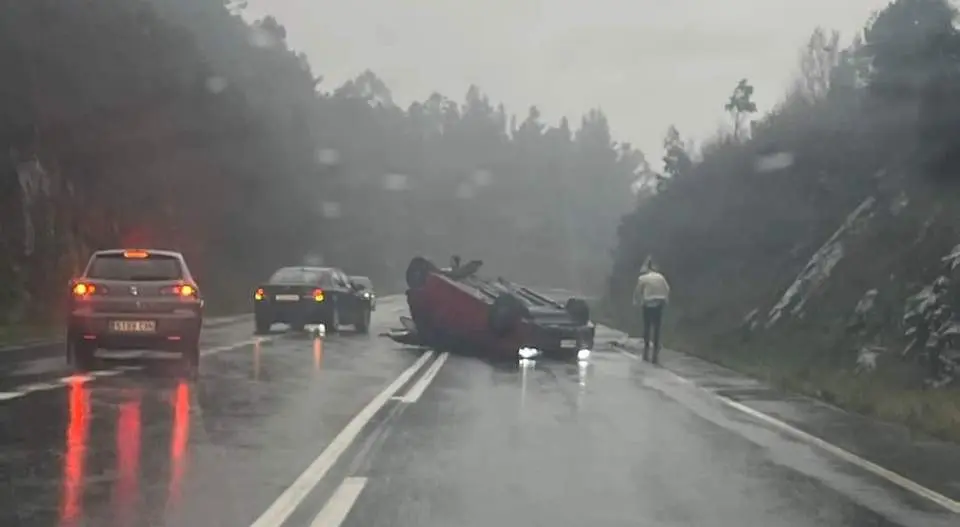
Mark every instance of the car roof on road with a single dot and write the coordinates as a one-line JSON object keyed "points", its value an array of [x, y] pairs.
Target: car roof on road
{"points": [[158, 252]]}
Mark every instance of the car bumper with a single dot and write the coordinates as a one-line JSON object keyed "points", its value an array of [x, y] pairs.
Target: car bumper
{"points": [[303, 312], [171, 329], [562, 339]]}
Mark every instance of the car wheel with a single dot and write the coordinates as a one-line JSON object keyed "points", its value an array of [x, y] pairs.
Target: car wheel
{"points": [[363, 322], [578, 310], [334, 325], [81, 354], [190, 357], [417, 272], [505, 313], [262, 326]]}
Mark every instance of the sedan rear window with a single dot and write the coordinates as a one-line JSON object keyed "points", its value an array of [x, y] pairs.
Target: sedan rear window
{"points": [[152, 268], [295, 275]]}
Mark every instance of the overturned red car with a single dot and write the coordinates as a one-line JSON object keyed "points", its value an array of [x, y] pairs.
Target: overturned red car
{"points": [[453, 308]]}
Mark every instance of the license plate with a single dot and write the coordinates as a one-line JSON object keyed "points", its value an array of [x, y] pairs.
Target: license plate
{"points": [[568, 343], [133, 326], [287, 298]]}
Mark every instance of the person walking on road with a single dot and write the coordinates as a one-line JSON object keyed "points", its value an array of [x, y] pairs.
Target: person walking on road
{"points": [[652, 294]]}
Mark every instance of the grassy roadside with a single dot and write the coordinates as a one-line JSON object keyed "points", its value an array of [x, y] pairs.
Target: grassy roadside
{"points": [[890, 393]]}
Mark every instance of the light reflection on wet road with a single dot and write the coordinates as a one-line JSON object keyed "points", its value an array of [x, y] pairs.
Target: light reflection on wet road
{"points": [[609, 442]]}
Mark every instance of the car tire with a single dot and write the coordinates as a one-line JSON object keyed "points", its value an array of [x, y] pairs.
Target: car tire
{"points": [[417, 272], [262, 327], [190, 357], [363, 322], [331, 324], [578, 310], [505, 313], [81, 354]]}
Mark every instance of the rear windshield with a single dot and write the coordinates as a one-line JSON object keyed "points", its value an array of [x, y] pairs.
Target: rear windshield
{"points": [[152, 268], [294, 275]]}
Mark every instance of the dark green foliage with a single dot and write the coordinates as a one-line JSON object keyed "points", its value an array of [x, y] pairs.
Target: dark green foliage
{"points": [[175, 123]]}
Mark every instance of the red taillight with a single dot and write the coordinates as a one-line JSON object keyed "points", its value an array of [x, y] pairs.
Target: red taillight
{"points": [[182, 290], [82, 289], [135, 254], [318, 295], [258, 294]]}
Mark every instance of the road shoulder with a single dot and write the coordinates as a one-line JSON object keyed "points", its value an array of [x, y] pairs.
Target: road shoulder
{"points": [[895, 450]]}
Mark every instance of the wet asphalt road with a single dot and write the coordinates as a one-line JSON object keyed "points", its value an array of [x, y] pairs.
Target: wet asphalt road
{"points": [[456, 442]]}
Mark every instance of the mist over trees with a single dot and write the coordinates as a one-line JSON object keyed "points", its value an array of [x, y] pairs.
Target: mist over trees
{"points": [[873, 125], [175, 123]]}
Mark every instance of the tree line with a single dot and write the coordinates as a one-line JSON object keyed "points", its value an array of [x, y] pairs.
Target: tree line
{"points": [[176, 123], [731, 221]]}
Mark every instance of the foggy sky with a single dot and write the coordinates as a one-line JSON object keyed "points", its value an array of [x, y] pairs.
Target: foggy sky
{"points": [[647, 63]]}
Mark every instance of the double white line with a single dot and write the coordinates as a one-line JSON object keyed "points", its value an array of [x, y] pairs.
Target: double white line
{"points": [[340, 503]]}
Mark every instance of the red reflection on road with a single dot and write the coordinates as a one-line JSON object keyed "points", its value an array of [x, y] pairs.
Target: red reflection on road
{"points": [[76, 450], [178, 441], [128, 461]]}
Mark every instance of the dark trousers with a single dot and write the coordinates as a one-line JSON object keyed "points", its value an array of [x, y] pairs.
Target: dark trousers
{"points": [[652, 320]]}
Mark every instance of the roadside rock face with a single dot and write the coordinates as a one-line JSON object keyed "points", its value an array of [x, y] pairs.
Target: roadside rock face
{"points": [[897, 309], [932, 325], [818, 269]]}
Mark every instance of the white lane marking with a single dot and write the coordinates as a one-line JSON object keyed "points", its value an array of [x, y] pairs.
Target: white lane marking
{"points": [[76, 378], [337, 509], [20, 391], [34, 344], [417, 389], [209, 323], [105, 373], [902, 482], [892, 477], [250, 342], [287, 502]]}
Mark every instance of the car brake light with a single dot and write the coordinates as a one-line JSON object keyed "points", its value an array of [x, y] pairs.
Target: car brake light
{"points": [[318, 295], [258, 295], [183, 290], [82, 289], [135, 254]]}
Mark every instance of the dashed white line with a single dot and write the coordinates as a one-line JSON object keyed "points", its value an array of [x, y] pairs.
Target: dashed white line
{"points": [[289, 499], [20, 391], [337, 509], [228, 347], [417, 389], [75, 378], [892, 477]]}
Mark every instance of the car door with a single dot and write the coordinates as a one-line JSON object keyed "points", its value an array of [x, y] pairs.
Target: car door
{"points": [[346, 298]]}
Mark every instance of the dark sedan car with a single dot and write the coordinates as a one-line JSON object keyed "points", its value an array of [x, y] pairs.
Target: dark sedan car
{"points": [[365, 286], [134, 299], [298, 296]]}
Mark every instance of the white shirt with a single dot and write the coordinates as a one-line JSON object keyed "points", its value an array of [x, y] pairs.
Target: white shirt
{"points": [[651, 287]]}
